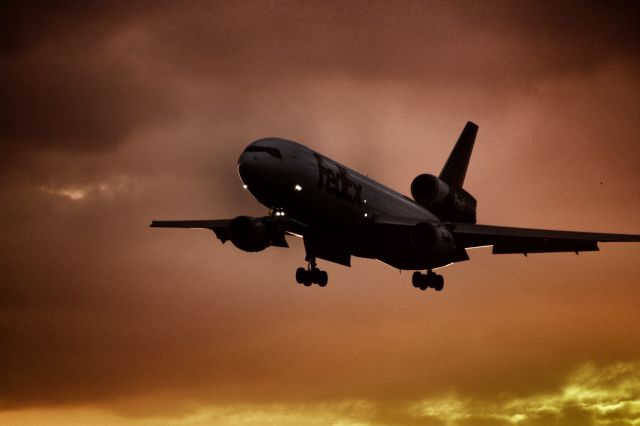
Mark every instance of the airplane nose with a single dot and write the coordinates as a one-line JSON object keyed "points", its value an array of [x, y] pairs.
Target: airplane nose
{"points": [[262, 171], [246, 168]]}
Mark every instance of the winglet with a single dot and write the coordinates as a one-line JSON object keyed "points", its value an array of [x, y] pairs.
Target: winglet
{"points": [[455, 169]]}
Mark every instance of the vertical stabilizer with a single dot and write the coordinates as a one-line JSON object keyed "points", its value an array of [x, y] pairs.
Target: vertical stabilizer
{"points": [[455, 169]]}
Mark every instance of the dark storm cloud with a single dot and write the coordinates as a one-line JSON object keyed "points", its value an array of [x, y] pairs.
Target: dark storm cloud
{"points": [[491, 42], [64, 85], [74, 101], [63, 88], [26, 25]]}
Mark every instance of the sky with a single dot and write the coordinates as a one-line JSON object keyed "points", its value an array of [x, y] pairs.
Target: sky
{"points": [[117, 113]]}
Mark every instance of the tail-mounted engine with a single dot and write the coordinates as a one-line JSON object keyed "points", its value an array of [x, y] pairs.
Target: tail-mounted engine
{"points": [[446, 202]]}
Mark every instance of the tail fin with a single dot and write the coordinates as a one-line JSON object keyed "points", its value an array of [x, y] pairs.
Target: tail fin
{"points": [[455, 169]]}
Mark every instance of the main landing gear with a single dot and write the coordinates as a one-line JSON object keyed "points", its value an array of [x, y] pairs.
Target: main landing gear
{"points": [[311, 275], [428, 280]]}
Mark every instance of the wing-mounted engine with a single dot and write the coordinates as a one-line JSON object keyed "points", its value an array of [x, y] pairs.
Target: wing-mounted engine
{"points": [[255, 233], [447, 202], [435, 239]]}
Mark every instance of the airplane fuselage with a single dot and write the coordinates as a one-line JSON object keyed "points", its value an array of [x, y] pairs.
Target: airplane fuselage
{"points": [[336, 202]]}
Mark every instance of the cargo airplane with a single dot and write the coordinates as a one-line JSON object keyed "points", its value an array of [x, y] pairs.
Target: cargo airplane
{"points": [[340, 213]]}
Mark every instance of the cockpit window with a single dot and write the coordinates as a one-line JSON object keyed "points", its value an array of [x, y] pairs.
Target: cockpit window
{"points": [[269, 150]]}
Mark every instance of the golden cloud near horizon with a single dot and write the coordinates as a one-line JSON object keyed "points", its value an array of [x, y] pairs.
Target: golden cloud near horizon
{"points": [[592, 395]]}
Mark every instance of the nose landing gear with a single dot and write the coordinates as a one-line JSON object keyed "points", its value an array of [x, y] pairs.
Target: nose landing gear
{"points": [[428, 280], [311, 275]]}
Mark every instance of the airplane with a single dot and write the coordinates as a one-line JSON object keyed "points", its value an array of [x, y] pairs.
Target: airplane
{"points": [[340, 213]]}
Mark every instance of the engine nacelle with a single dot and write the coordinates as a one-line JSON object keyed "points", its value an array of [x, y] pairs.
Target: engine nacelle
{"points": [[428, 190], [249, 234], [435, 239], [448, 203]]}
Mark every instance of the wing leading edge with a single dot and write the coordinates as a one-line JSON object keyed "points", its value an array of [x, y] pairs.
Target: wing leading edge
{"points": [[220, 227], [507, 240], [223, 228]]}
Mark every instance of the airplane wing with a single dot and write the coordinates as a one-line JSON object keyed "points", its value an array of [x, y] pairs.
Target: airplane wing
{"points": [[507, 240], [220, 227]]}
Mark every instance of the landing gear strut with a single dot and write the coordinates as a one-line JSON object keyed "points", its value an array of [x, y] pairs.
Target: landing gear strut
{"points": [[428, 280], [312, 275]]}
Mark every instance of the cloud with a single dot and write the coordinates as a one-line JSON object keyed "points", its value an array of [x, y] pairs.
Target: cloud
{"points": [[27, 25], [503, 45], [69, 83], [592, 395], [80, 99], [598, 396]]}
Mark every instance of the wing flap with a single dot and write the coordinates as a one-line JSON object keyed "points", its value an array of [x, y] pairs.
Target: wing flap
{"points": [[544, 246]]}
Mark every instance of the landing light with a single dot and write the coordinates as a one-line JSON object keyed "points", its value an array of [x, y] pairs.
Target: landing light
{"points": [[244, 186], [366, 215], [297, 188]]}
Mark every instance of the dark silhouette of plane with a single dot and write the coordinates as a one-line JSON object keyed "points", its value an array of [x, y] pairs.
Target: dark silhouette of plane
{"points": [[341, 213]]}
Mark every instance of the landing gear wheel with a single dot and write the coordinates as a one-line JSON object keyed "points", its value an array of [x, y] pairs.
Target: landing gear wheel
{"points": [[420, 280], [311, 275], [438, 283], [323, 278], [428, 280], [416, 279]]}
